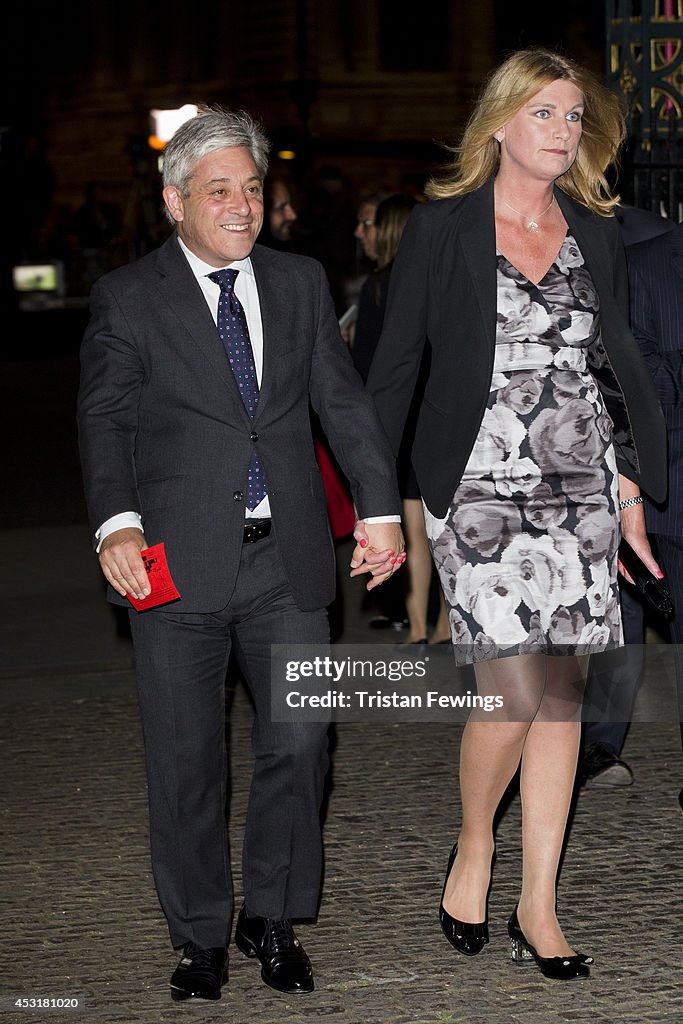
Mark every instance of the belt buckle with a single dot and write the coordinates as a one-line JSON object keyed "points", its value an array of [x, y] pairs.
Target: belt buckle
{"points": [[255, 530]]}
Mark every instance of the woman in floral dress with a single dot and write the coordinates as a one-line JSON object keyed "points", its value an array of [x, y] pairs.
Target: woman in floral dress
{"points": [[538, 427]]}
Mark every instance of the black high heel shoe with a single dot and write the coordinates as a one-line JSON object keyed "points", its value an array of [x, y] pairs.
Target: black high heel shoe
{"points": [[559, 968], [469, 939]]}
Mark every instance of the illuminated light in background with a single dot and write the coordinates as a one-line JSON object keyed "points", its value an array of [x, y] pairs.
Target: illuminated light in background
{"points": [[167, 122]]}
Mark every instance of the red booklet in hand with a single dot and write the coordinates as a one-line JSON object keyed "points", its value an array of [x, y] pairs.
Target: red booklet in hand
{"points": [[163, 587]]}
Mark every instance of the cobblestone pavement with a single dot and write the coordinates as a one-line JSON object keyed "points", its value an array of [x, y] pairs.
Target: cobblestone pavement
{"points": [[79, 914]]}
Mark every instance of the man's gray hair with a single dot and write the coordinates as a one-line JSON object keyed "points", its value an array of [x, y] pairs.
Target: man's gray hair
{"points": [[213, 128]]}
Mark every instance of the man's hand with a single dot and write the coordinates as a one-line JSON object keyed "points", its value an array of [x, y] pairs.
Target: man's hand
{"points": [[379, 551], [122, 565]]}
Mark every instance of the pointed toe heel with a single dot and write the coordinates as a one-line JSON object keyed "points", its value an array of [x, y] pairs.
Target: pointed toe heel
{"points": [[557, 968], [468, 939]]}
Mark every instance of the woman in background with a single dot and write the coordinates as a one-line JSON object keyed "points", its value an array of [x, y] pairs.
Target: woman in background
{"points": [[413, 586]]}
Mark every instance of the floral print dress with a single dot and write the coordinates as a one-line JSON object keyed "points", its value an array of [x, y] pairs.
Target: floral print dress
{"points": [[526, 553]]}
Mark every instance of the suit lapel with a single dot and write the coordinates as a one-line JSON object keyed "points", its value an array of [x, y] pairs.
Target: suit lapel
{"points": [[178, 287], [477, 234], [273, 294], [590, 240]]}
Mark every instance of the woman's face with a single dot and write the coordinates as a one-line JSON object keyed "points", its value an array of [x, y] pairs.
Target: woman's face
{"points": [[542, 139], [366, 232]]}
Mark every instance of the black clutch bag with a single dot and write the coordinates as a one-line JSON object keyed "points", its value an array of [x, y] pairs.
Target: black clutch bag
{"points": [[654, 590]]}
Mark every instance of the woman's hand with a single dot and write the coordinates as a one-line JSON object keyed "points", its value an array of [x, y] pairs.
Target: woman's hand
{"points": [[633, 530]]}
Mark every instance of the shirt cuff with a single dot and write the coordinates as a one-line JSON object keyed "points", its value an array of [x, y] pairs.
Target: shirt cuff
{"points": [[382, 519], [122, 521]]}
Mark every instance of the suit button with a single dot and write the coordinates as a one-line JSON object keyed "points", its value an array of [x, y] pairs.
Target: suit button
{"points": [[253, 436], [237, 496]]}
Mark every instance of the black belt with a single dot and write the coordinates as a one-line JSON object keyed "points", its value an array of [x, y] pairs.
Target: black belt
{"points": [[255, 529]]}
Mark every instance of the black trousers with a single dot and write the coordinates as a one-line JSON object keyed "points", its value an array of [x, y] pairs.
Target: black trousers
{"points": [[614, 677], [669, 550], [181, 664]]}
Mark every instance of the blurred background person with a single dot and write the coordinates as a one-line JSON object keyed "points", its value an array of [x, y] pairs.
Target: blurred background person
{"points": [[613, 679], [656, 279], [97, 228], [365, 235], [279, 225], [656, 295], [325, 228], [408, 597], [379, 234], [279, 231], [366, 227]]}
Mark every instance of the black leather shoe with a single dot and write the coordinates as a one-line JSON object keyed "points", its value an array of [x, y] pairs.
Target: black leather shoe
{"points": [[469, 939], [200, 973], [559, 968], [602, 766], [284, 964]]}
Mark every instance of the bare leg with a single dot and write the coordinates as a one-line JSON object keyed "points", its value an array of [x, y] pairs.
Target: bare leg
{"points": [[490, 754], [546, 785], [417, 570], [543, 702]]}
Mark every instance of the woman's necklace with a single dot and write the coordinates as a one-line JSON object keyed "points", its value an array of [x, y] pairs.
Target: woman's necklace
{"points": [[532, 223]]}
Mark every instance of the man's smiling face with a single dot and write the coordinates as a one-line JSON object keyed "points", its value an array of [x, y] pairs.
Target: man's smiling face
{"points": [[222, 214]]}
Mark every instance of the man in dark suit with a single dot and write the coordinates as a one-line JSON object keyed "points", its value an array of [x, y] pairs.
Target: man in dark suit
{"points": [[199, 367], [656, 282], [656, 298]]}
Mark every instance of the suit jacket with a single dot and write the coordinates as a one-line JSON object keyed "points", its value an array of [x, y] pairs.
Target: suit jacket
{"points": [[655, 270], [639, 225], [443, 293], [163, 430]]}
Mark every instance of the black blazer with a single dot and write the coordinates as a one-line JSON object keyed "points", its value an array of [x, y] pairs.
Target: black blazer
{"points": [[443, 293], [655, 270], [163, 430]]}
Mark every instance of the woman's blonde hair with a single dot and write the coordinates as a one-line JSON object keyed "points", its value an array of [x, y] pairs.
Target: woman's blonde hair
{"points": [[508, 88]]}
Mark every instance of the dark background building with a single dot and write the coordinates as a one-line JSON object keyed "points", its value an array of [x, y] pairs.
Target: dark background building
{"points": [[354, 85], [363, 95]]}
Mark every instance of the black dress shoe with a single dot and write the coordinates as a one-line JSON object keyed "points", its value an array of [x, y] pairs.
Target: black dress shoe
{"points": [[469, 939], [200, 973], [602, 766], [407, 646], [559, 968], [284, 963]]}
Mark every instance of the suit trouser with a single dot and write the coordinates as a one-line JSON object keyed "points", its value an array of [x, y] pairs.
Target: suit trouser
{"points": [[614, 677], [181, 663], [670, 555]]}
